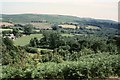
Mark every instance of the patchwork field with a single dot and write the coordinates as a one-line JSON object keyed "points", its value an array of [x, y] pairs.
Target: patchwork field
{"points": [[92, 27], [68, 26], [42, 25], [72, 52], [6, 24]]}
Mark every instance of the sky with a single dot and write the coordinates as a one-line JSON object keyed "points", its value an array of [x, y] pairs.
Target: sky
{"points": [[99, 9]]}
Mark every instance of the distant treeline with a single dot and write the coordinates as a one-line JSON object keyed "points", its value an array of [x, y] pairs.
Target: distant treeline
{"points": [[107, 24]]}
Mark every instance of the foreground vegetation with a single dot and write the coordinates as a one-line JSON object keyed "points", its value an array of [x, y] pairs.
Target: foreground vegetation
{"points": [[75, 57], [99, 66], [79, 53]]}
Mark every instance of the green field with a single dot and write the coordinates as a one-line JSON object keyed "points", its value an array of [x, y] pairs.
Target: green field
{"points": [[92, 27], [6, 30], [25, 39], [67, 35], [41, 25], [39, 49]]}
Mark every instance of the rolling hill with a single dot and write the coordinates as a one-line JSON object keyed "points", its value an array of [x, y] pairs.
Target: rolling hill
{"points": [[27, 18]]}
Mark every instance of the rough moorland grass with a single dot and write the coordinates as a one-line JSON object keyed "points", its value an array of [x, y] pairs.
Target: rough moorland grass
{"points": [[24, 40]]}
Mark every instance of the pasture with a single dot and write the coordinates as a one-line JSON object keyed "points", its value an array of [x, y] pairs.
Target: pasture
{"points": [[42, 25], [6, 30], [24, 40], [92, 27]]}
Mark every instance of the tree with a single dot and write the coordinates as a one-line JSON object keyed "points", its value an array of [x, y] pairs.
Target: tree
{"points": [[34, 42], [55, 27], [75, 46], [45, 40], [76, 26], [6, 32], [98, 45], [52, 40], [8, 42], [55, 39], [28, 29], [16, 32]]}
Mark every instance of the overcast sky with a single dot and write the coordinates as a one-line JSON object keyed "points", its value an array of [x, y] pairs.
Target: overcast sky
{"points": [[101, 9]]}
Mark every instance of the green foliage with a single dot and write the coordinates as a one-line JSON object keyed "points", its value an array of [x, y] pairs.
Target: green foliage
{"points": [[44, 51], [51, 40], [12, 54], [24, 40], [28, 29], [16, 32], [77, 54], [4, 33], [8, 42], [31, 50], [55, 27], [27, 18], [91, 66], [34, 42]]}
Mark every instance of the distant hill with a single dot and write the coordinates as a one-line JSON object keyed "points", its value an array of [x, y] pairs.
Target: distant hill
{"points": [[27, 18]]}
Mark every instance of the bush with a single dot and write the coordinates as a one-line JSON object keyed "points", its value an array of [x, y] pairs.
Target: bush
{"points": [[31, 50], [91, 66], [44, 52]]}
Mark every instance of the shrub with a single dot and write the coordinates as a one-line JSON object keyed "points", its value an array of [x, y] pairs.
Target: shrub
{"points": [[92, 66], [31, 50]]}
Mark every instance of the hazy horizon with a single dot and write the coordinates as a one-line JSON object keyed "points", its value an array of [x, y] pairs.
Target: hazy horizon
{"points": [[104, 9]]}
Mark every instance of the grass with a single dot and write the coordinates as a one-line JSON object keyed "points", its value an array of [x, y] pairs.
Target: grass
{"points": [[67, 35], [41, 24], [27, 18], [39, 49], [6, 30], [24, 40], [92, 27]]}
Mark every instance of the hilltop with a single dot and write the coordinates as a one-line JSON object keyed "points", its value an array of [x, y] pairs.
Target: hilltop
{"points": [[27, 18]]}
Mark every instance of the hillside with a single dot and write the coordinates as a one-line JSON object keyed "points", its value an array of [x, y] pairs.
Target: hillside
{"points": [[27, 18]]}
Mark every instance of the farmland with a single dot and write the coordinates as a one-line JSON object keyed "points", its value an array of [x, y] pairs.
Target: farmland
{"points": [[5, 30], [26, 39], [92, 27], [6, 24], [59, 49], [42, 25], [68, 26]]}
